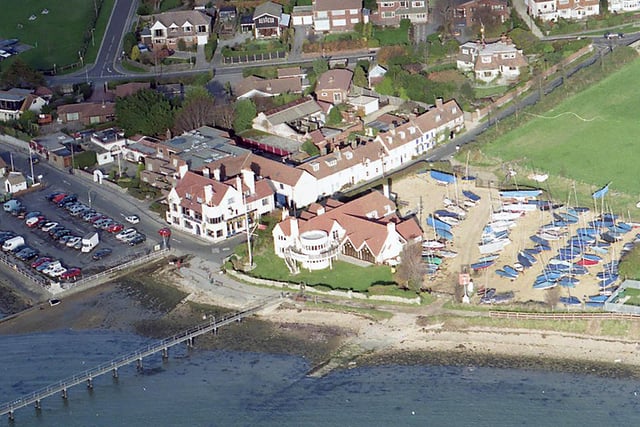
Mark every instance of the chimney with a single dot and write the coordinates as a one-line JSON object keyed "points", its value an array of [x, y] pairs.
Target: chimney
{"points": [[206, 172], [216, 174], [182, 170], [391, 227], [338, 154], [294, 227], [439, 102], [208, 193], [385, 189], [354, 143], [168, 134], [285, 214], [239, 184], [249, 179]]}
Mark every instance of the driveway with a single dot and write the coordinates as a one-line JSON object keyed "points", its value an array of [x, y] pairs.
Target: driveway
{"points": [[300, 35]]}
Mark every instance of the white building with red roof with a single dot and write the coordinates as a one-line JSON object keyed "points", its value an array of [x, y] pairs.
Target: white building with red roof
{"points": [[367, 228], [216, 210]]}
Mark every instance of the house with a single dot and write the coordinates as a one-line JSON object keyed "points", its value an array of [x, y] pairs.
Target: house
{"points": [[15, 182], [292, 120], [336, 15], [297, 72], [139, 148], [227, 13], [500, 60], [293, 187], [130, 88], [169, 28], [333, 86], [367, 228], [621, 6], [467, 14], [389, 13], [189, 151], [87, 113], [215, 210], [15, 101], [302, 16], [108, 144], [266, 20], [3, 167], [58, 148], [252, 86], [552, 10], [376, 75]]}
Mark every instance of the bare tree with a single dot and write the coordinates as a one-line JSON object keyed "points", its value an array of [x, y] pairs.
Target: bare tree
{"points": [[552, 297], [198, 110], [409, 274], [223, 116], [446, 9]]}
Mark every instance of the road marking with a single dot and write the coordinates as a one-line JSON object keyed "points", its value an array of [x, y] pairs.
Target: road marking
{"points": [[66, 182], [177, 241]]}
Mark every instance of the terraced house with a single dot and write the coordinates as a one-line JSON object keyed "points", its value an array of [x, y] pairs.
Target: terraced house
{"points": [[552, 10], [390, 12]]}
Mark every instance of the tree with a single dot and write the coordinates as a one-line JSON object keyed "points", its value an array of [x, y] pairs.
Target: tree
{"points": [[197, 110], [360, 77], [552, 297], [320, 66], [128, 42], [20, 74], [135, 53], [146, 112], [244, 113], [223, 116], [335, 117], [409, 273]]}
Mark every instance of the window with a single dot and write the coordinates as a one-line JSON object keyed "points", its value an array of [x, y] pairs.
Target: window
{"points": [[388, 14], [188, 29], [388, 4], [282, 186], [94, 120], [158, 33], [265, 202], [404, 4], [199, 200], [188, 196], [322, 14], [73, 116], [338, 12], [174, 207], [417, 4], [353, 11], [202, 28], [486, 59], [337, 97]]}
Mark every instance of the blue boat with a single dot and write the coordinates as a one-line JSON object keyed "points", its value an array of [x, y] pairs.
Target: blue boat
{"points": [[446, 214], [599, 250], [529, 256], [624, 226], [443, 177], [558, 268], [503, 273], [510, 270], [578, 270], [602, 244], [539, 240], [568, 282], [445, 234], [587, 231], [608, 216], [570, 300], [543, 247], [544, 285], [566, 256], [594, 304], [524, 261], [491, 257], [605, 274], [598, 298], [520, 194], [592, 257], [607, 283], [617, 229], [482, 265], [534, 251], [565, 217], [550, 276], [436, 223], [580, 209], [470, 195]]}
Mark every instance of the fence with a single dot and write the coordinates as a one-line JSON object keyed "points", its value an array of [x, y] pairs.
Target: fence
{"points": [[254, 57], [561, 316], [11, 263]]}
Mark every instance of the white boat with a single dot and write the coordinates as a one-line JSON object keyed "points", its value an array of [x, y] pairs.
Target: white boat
{"points": [[449, 220], [505, 216], [498, 226], [519, 207], [468, 203], [549, 235], [494, 246], [432, 244], [448, 254], [457, 210]]}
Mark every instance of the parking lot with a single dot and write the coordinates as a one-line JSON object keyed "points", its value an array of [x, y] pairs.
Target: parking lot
{"points": [[77, 226]]}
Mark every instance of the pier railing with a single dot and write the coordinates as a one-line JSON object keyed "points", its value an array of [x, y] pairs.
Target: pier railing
{"points": [[112, 366]]}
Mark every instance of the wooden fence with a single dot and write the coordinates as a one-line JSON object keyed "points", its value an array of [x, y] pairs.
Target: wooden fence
{"points": [[561, 316]]}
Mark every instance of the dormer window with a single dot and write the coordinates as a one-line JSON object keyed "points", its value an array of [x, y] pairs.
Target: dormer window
{"points": [[188, 196], [315, 166], [199, 200], [331, 162], [348, 155]]}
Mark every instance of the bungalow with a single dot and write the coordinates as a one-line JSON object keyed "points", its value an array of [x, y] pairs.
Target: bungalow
{"points": [[500, 60], [252, 86], [169, 28], [215, 210], [366, 228], [364, 105], [87, 113], [333, 86], [389, 13], [15, 182], [58, 148], [292, 120]]}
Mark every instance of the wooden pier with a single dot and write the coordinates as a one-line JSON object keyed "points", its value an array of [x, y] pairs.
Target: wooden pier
{"points": [[35, 398]]}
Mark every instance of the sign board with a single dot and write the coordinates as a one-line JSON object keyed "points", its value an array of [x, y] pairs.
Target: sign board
{"points": [[464, 279]]}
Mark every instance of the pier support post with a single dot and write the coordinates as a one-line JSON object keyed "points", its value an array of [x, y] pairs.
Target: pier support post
{"points": [[11, 416], [64, 393], [165, 354], [139, 364], [89, 383], [37, 405], [115, 372]]}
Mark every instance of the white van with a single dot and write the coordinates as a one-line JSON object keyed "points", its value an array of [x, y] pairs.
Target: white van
{"points": [[13, 243]]}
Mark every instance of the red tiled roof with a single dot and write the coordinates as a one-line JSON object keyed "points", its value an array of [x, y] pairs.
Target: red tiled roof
{"points": [[127, 89], [334, 79], [261, 166]]}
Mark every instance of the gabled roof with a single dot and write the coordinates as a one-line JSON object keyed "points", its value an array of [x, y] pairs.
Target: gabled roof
{"points": [[268, 8], [332, 163], [180, 17], [337, 79], [127, 89], [191, 191], [261, 166], [89, 109], [300, 108], [268, 87]]}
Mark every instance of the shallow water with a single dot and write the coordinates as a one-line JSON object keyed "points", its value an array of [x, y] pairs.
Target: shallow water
{"points": [[218, 388]]}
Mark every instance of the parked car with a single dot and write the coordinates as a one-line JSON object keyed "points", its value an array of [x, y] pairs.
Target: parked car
{"points": [[133, 219], [27, 254], [49, 226], [139, 238], [92, 216], [50, 267], [6, 236], [51, 196], [58, 198], [73, 273], [40, 261], [58, 234], [72, 241], [129, 232], [32, 214], [34, 221], [72, 198], [44, 265], [57, 272], [115, 228], [101, 253]]}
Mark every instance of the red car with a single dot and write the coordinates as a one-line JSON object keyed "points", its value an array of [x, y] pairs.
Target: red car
{"points": [[40, 261], [58, 198], [71, 274], [115, 228], [34, 221]]}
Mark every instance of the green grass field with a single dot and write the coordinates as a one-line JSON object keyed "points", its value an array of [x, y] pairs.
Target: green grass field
{"points": [[57, 36], [590, 138]]}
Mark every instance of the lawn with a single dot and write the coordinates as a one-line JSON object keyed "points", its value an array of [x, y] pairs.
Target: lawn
{"points": [[591, 137], [392, 36], [342, 276], [56, 37]]}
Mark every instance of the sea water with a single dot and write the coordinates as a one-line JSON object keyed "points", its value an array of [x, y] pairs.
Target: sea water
{"points": [[221, 388]]}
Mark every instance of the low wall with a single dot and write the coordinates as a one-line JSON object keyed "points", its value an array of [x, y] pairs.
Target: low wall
{"points": [[334, 293]]}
